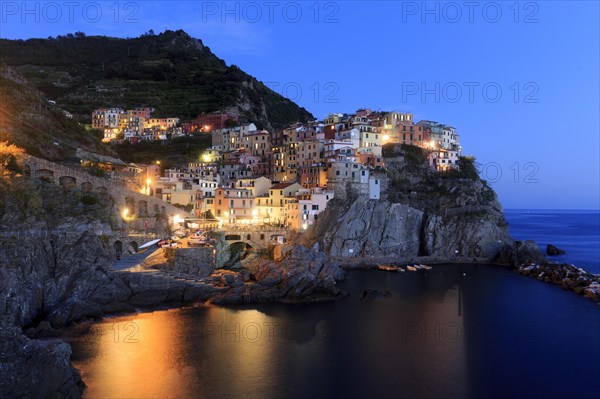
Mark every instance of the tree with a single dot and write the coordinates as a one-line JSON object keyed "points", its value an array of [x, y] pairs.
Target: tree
{"points": [[8, 153]]}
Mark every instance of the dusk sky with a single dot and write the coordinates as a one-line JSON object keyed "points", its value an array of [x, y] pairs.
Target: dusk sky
{"points": [[519, 81]]}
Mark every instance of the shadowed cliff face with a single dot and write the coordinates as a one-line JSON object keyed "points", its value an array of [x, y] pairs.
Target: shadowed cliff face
{"points": [[421, 213], [378, 228]]}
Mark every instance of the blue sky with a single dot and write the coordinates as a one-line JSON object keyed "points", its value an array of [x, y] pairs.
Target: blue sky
{"points": [[519, 82]]}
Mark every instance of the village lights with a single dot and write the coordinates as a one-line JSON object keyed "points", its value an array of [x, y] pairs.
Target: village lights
{"points": [[254, 212], [206, 158], [125, 213]]}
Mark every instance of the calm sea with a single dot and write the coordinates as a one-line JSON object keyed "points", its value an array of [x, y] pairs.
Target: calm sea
{"points": [[457, 331], [577, 232]]}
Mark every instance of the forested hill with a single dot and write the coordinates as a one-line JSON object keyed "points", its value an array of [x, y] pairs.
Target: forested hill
{"points": [[172, 72]]}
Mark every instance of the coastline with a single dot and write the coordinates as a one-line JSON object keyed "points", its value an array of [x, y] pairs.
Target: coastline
{"points": [[57, 351]]}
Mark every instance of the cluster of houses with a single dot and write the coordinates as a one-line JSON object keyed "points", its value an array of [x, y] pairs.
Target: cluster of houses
{"points": [[138, 124], [133, 125], [287, 177]]}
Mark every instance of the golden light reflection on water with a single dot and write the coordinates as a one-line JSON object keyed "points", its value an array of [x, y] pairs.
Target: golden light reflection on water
{"points": [[137, 357], [405, 343], [155, 355]]}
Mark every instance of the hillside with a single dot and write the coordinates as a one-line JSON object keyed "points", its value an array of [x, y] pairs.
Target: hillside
{"points": [[172, 72], [29, 121]]}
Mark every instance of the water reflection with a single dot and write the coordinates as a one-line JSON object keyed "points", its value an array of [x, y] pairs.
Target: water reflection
{"points": [[448, 333]]}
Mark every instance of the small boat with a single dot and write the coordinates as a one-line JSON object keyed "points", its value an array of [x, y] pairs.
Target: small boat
{"points": [[411, 268], [388, 268], [425, 267]]}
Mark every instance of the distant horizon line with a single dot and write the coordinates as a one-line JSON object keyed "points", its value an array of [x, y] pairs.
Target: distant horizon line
{"points": [[554, 209]]}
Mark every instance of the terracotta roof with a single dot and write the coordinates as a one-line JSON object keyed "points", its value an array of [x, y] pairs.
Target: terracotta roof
{"points": [[279, 186]]}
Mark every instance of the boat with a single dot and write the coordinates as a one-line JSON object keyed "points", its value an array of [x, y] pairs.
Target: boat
{"points": [[411, 268], [425, 267], [388, 268]]}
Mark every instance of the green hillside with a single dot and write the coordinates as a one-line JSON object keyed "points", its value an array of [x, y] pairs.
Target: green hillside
{"points": [[172, 72]]}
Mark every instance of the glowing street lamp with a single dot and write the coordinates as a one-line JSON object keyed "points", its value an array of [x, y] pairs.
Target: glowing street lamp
{"points": [[125, 213]]}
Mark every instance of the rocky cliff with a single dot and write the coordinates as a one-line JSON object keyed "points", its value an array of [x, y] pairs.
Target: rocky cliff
{"points": [[444, 216]]}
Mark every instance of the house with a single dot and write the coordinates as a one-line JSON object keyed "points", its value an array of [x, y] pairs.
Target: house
{"points": [[234, 205], [308, 204]]}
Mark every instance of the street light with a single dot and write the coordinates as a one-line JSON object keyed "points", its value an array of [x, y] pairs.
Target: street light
{"points": [[125, 213]]}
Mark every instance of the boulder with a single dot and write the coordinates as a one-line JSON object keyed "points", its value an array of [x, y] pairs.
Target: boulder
{"points": [[520, 252], [553, 251]]}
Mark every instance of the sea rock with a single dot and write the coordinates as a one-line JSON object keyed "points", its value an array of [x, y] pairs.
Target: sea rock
{"points": [[520, 252], [370, 295], [553, 251]]}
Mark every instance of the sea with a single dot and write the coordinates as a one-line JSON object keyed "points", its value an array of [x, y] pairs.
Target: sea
{"points": [[456, 331]]}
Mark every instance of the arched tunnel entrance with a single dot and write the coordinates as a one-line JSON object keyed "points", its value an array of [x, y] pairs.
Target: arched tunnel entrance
{"points": [[239, 251]]}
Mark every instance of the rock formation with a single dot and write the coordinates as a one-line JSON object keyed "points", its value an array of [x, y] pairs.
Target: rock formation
{"points": [[553, 250], [444, 216]]}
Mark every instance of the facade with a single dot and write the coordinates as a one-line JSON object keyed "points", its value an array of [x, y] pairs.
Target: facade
{"points": [[215, 120], [234, 205]]}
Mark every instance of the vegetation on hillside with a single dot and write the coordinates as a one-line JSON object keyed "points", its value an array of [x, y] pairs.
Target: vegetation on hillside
{"points": [[42, 129], [23, 201], [411, 181], [178, 151], [172, 72]]}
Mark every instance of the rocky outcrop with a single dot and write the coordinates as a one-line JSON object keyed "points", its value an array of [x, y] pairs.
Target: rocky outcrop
{"points": [[35, 369], [421, 213], [302, 275], [376, 228], [553, 250], [520, 252], [195, 261]]}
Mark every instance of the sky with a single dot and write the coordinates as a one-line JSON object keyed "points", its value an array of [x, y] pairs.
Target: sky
{"points": [[518, 80]]}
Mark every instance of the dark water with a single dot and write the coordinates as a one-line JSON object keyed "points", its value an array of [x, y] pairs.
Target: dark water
{"points": [[577, 232], [456, 331]]}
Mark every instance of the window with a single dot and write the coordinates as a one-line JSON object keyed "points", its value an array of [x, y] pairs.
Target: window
{"points": [[315, 207]]}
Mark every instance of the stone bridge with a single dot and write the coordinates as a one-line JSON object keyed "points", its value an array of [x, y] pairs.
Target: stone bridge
{"points": [[256, 239], [142, 209]]}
